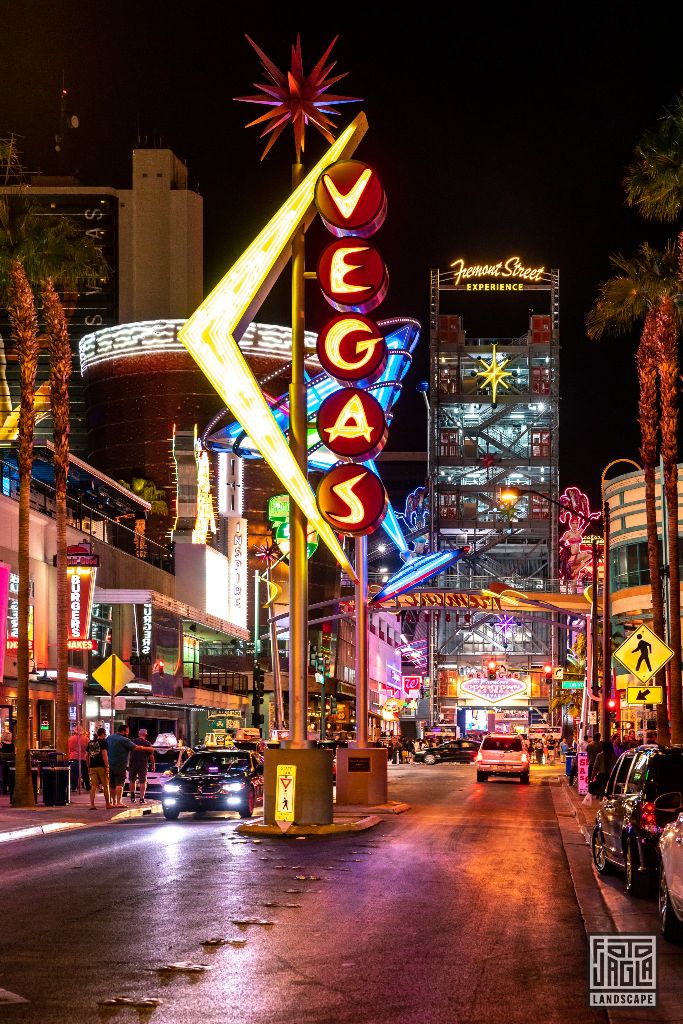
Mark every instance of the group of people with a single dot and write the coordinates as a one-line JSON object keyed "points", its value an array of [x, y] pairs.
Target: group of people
{"points": [[103, 762]]}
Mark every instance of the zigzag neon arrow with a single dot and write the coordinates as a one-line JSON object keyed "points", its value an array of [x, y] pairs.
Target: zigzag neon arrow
{"points": [[212, 332]]}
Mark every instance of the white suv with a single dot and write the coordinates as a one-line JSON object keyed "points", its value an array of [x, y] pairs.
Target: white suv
{"points": [[502, 754]]}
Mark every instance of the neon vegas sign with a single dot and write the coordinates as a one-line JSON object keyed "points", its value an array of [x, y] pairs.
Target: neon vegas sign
{"points": [[512, 273]]}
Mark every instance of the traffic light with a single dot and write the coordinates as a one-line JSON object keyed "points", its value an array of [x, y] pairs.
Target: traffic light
{"points": [[611, 703], [492, 668], [547, 671], [257, 696], [333, 705]]}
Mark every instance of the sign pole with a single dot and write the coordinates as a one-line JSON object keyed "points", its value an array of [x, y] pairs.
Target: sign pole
{"points": [[361, 609], [113, 691], [298, 442]]}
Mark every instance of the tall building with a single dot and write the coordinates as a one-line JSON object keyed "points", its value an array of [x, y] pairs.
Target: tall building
{"points": [[151, 238], [493, 423]]}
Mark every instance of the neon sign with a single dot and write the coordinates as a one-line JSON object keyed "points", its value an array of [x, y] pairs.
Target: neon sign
{"points": [[350, 199], [413, 573], [352, 348], [492, 691], [576, 550], [212, 333], [352, 275], [352, 424], [494, 374], [352, 499], [511, 270]]}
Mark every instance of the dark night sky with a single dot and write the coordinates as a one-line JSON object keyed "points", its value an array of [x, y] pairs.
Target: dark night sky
{"points": [[495, 134]]}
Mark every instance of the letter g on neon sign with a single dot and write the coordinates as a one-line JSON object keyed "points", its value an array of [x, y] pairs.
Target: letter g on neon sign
{"points": [[352, 349]]}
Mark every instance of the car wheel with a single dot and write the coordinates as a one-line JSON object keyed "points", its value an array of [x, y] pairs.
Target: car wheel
{"points": [[482, 777], [637, 882], [602, 865], [248, 810], [170, 815], [670, 927], [524, 777], [430, 759]]}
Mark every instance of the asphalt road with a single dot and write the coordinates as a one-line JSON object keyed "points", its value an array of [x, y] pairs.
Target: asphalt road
{"points": [[460, 910]]}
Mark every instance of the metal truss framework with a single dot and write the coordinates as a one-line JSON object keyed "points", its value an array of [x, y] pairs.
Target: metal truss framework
{"points": [[477, 448]]}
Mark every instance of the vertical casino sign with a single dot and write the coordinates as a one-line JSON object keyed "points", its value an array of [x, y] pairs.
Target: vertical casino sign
{"points": [[353, 278]]}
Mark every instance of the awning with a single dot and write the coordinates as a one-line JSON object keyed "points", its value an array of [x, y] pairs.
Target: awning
{"points": [[185, 612]]}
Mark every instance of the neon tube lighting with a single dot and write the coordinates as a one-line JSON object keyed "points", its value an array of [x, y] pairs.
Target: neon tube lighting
{"points": [[212, 332]]}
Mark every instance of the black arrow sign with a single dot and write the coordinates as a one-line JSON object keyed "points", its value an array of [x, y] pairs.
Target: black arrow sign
{"points": [[643, 694]]}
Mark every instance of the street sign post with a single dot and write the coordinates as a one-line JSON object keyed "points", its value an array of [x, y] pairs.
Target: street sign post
{"points": [[643, 654], [112, 675], [644, 694], [284, 795]]}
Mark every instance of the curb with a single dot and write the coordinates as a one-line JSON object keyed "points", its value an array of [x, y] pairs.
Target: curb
{"points": [[50, 827], [394, 807], [335, 829]]}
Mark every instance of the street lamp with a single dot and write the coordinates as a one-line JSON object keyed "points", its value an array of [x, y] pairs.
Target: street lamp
{"points": [[510, 496]]}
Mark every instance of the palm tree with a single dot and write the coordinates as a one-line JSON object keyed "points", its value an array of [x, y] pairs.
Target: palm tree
{"points": [[640, 290], [47, 248], [654, 186], [24, 321]]}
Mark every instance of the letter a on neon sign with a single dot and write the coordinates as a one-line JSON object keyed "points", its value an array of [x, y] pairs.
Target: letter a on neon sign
{"points": [[351, 422]]}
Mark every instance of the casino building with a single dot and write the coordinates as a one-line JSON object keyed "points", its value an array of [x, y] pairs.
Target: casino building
{"points": [[494, 395]]}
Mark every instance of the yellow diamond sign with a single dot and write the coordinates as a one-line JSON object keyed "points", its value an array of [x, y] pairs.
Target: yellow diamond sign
{"points": [[113, 674], [643, 654]]}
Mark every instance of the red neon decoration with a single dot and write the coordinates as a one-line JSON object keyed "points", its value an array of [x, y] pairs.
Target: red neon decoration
{"points": [[352, 424], [576, 561], [352, 275], [352, 499], [352, 349], [350, 199]]}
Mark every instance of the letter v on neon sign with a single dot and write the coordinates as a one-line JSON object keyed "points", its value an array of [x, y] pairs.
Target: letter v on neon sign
{"points": [[347, 203], [212, 333]]}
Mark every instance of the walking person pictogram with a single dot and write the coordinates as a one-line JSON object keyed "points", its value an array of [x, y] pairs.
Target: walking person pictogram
{"points": [[643, 649]]}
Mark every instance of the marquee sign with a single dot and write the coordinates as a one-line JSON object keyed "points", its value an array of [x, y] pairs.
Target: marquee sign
{"points": [[352, 349], [350, 199], [509, 275], [81, 570], [352, 499], [352, 275], [352, 424], [492, 691]]}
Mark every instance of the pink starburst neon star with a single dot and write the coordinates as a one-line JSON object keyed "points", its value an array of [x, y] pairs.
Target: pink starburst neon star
{"points": [[296, 98]]}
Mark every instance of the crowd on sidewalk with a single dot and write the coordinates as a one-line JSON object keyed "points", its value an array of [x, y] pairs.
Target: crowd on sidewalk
{"points": [[97, 763]]}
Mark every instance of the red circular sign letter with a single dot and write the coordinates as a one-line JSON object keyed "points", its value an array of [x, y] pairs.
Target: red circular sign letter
{"points": [[352, 275], [350, 199], [352, 424], [352, 349], [352, 499]]}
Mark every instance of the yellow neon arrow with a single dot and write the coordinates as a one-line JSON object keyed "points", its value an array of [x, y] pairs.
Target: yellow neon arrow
{"points": [[212, 332]]}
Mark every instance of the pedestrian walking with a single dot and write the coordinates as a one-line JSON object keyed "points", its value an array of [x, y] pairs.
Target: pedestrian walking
{"points": [[76, 752], [539, 750], [137, 765], [119, 747], [6, 759], [604, 762], [593, 749], [98, 765]]}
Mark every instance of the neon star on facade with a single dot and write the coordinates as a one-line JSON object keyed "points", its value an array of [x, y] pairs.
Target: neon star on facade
{"points": [[494, 373]]}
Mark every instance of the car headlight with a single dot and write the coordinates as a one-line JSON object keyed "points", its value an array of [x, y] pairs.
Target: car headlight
{"points": [[232, 787], [171, 787]]}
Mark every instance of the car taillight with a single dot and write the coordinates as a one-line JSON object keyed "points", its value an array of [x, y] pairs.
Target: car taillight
{"points": [[648, 818], [525, 757], [480, 756]]}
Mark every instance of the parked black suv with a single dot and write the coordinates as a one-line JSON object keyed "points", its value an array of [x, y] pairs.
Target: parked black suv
{"points": [[643, 794]]}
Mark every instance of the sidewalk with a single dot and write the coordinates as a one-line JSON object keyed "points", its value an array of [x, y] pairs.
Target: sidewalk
{"points": [[22, 823]]}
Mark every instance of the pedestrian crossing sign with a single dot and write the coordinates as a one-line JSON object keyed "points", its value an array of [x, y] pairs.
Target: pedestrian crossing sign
{"points": [[284, 795], [643, 654]]}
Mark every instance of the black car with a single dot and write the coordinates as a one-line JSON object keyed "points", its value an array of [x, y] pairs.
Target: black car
{"points": [[643, 794], [215, 780], [462, 751]]}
